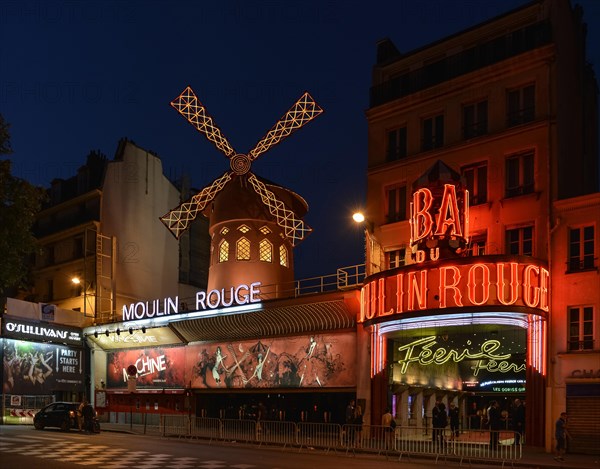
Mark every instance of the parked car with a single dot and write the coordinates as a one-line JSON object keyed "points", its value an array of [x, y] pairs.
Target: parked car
{"points": [[58, 414]]}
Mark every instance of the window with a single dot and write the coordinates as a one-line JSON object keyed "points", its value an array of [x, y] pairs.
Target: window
{"points": [[78, 247], [49, 289], [475, 119], [520, 105], [224, 230], [476, 245], [396, 148], [243, 228], [223, 251], [476, 178], [433, 133], [242, 248], [519, 174], [395, 259], [519, 241], [265, 230], [581, 248], [265, 251], [581, 328], [283, 256], [396, 203]]}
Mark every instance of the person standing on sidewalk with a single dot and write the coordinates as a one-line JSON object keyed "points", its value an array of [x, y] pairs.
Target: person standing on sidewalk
{"points": [[518, 421], [495, 419], [561, 434]]}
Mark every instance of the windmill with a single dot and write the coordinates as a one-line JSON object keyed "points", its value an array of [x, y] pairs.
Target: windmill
{"points": [[282, 206]]}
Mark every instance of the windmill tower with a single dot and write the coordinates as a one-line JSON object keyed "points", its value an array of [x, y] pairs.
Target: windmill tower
{"points": [[253, 223]]}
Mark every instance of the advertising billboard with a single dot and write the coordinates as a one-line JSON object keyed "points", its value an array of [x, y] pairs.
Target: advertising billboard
{"points": [[41, 368], [157, 367], [322, 360]]}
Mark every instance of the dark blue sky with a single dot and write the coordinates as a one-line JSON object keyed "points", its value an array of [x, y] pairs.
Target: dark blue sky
{"points": [[79, 75]]}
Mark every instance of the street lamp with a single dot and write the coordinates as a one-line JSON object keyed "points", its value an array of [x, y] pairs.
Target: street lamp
{"points": [[358, 217], [76, 280], [371, 244]]}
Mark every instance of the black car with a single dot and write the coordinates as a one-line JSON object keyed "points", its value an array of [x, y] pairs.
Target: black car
{"points": [[58, 414]]}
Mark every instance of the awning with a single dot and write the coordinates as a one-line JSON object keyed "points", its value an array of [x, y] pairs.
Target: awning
{"points": [[269, 322]]}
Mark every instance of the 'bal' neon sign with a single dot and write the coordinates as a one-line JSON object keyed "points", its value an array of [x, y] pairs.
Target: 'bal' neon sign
{"points": [[489, 282], [422, 352], [437, 219]]}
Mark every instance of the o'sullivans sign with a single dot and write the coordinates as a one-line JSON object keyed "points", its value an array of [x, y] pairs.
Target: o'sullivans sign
{"points": [[223, 298], [481, 281]]}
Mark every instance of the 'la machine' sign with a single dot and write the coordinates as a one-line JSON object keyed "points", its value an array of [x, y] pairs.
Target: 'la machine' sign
{"points": [[214, 299]]}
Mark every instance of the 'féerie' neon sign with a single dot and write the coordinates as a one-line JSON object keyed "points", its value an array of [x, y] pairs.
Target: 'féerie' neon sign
{"points": [[421, 352]]}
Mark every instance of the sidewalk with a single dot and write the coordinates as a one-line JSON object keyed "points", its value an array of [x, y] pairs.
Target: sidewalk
{"points": [[534, 458], [537, 457]]}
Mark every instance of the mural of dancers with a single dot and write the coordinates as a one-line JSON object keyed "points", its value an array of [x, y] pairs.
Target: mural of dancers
{"points": [[291, 362]]}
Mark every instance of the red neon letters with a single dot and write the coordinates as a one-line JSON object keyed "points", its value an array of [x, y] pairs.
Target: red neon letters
{"points": [[485, 283]]}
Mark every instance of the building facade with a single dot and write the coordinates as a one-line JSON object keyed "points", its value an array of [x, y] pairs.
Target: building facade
{"points": [[482, 213], [93, 257]]}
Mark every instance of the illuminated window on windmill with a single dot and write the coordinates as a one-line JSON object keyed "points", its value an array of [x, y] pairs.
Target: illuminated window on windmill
{"points": [[265, 230], [283, 256], [243, 228], [223, 251], [265, 251], [243, 250], [224, 231]]}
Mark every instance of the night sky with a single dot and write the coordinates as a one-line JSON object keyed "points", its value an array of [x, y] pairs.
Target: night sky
{"points": [[77, 76]]}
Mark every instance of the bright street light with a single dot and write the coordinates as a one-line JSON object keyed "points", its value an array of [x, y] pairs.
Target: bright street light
{"points": [[358, 217]]}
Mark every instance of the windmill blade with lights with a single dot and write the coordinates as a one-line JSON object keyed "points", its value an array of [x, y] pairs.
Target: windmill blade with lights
{"points": [[300, 114]]}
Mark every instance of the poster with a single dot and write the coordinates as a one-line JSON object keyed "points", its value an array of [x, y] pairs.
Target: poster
{"points": [[323, 360], [157, 367], [41, 368]]}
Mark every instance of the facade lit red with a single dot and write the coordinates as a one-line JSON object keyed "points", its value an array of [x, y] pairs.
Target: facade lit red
{"points": [[506, 110]]}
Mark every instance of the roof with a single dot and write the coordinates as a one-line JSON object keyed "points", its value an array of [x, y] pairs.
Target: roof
{"points": [[270, 322]]}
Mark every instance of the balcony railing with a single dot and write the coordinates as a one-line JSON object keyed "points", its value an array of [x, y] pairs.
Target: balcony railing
{"points": [[578, 264], [576, 345]]}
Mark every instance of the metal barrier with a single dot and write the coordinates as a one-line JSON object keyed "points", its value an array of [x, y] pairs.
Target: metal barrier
{"points": [[204, 427], [238, 430], [319, 435], [278, 433], [368, 438], [481, 445], [175, 425], [497, 445]]}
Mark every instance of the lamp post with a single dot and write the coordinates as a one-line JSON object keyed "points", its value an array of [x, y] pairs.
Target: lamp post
{"points": [[371, 243], [75, 280]]}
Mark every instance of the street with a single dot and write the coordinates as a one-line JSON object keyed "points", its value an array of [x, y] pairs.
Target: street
{"points": [[24, 447]]}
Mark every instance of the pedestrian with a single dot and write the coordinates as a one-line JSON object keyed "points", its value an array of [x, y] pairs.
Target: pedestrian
{"points": [[495, 422], [439, 420], [518, 421], [349, 422], [388, 425], [357, 424], [454, 415], [84, 402], [350, 412], [561, 434], [88, 417]]}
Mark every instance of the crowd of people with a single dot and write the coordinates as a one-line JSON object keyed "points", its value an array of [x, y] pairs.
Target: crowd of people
{"points": [[493, 419]]}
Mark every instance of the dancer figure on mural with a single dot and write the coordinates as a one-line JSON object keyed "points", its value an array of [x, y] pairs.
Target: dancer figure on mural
{"points": [[311, 364], [258, 369], [219, 358]]}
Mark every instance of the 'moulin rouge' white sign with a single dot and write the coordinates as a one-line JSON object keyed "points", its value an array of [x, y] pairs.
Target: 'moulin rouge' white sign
{"points": [[213, 299]]}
